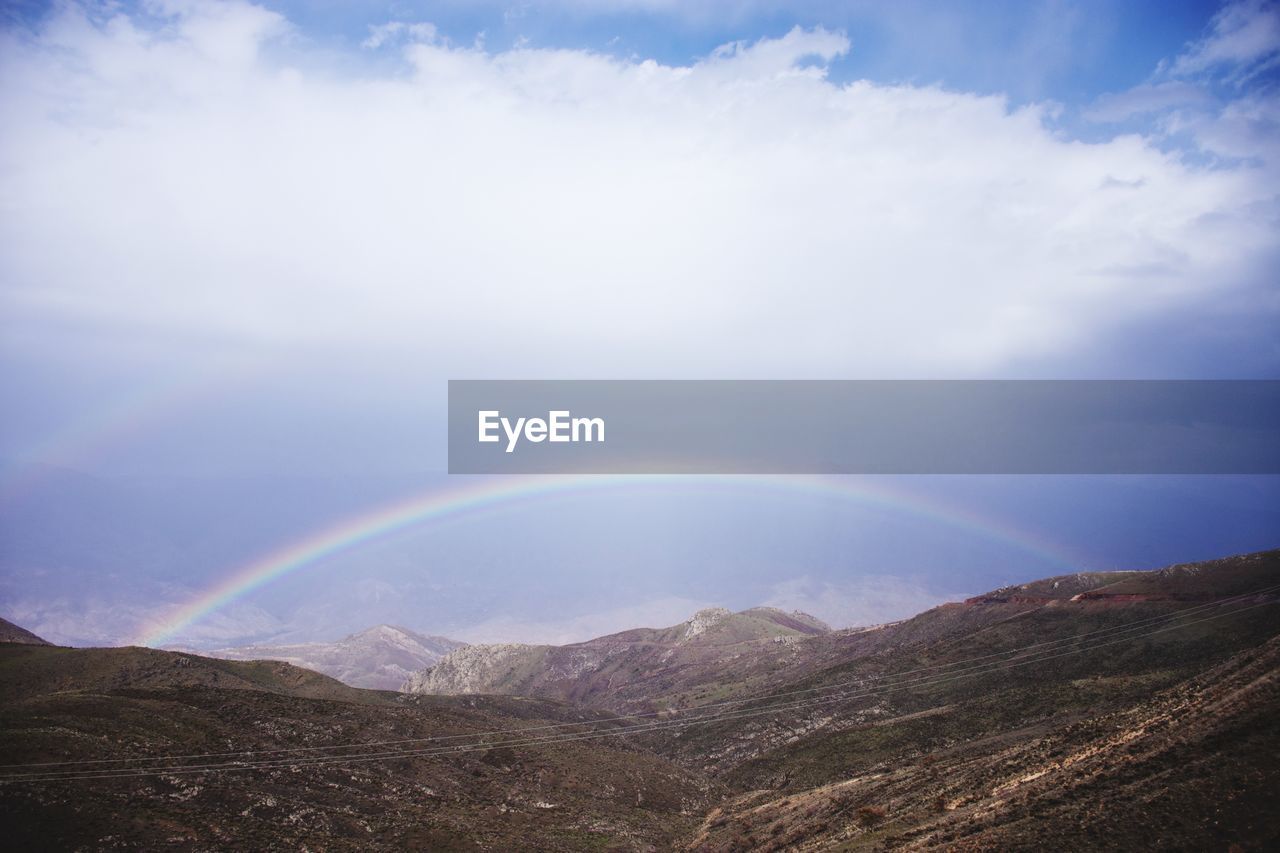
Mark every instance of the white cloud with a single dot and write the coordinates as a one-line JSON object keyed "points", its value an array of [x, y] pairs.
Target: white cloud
{"points": [[859, 602], [556, 212], [1244, 36], [1248, 128], [1146, 99], [97, 621], [392, 31], [1183, 96], [863, 601], [659, 613]]}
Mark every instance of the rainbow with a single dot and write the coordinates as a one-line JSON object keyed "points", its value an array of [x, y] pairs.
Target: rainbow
{"points": [[358, 530], [125, 420]]}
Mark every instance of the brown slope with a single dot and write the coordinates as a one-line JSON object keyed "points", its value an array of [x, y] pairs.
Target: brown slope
{"points": [[752, 653], [823, 777], [1191, 767], [33, 671], [132, 704], [819, 742]]}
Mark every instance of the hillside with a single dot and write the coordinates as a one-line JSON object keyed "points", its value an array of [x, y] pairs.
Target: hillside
{"points": [[640, 669], [380, 658], [964, 698], [990, 664], [1189, 768], [29, 672], [716, 655], [1103, 710], [1137, 706], [126, 705]]}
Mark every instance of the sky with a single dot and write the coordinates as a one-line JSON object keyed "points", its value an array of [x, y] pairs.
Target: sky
{"points": [[243, 246]]}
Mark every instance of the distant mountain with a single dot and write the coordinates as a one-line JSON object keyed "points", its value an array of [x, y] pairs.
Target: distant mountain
{"points": [[718, 655], [630, 669], [11, 633], [1119, 711], [380, 658], [38, 671]]}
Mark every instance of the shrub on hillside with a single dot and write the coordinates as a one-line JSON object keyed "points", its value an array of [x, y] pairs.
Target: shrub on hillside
{"points": [[870, 815]]}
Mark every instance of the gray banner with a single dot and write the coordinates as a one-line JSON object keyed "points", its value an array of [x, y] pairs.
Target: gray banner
{"points": [[864, 427]]}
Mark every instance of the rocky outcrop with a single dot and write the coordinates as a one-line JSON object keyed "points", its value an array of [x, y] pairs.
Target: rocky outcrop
{"points": [[629, 670], [704, 619], [475, 669]]}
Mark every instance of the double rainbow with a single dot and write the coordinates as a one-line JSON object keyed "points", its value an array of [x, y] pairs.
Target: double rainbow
{"points": [[356, 531]]}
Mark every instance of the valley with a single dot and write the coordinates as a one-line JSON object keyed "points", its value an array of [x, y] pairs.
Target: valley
{"points": [[1100, 710]]}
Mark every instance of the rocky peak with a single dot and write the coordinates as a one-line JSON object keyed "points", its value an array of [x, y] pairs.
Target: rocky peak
{"points": [[705, 619], [471, 669]]}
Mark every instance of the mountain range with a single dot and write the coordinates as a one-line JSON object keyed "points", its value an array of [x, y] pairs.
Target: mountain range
{"points": [[643, 669], [1117, 710], [380, 658]]}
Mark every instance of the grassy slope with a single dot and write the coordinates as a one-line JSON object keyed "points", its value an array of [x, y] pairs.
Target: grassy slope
{"points": [[810, 771], [1188, 768], [132, 702]]}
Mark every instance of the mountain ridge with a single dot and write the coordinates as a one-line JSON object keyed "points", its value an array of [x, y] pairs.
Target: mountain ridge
{"points": [[1108, 711], [596, 671], [380, 658], [633, 670]]}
